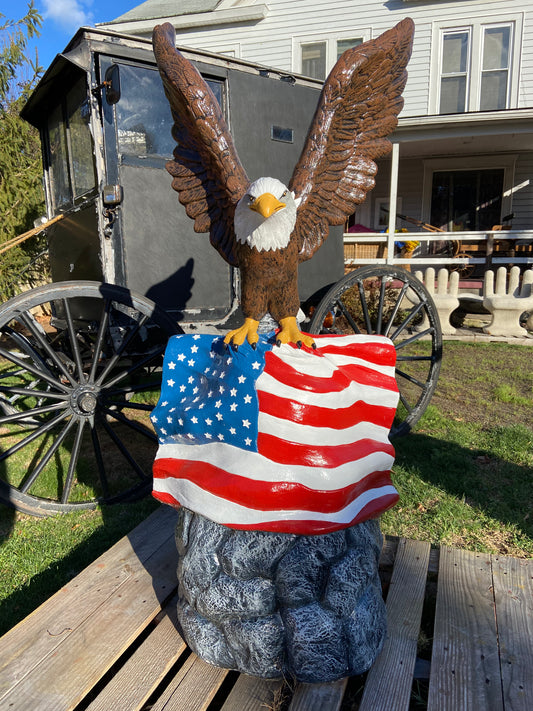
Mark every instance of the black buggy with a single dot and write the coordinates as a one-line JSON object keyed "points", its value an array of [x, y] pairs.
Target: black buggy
{"points": [[80, 358]]}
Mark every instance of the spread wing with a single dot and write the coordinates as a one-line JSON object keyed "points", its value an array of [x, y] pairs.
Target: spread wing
{"points": [[357, 109], [206, 170]]}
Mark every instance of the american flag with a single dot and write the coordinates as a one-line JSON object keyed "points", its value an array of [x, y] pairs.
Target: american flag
{"points": [[278, 438]]}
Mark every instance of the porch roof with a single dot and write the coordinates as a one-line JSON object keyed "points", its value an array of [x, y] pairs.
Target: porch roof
{"points": [[471, 133]]}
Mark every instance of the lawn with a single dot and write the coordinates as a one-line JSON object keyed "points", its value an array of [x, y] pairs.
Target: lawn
{"points": [[464, 477]]}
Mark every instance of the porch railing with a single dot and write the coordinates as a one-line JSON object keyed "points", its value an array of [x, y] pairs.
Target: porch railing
{"points": [[475, 248]]}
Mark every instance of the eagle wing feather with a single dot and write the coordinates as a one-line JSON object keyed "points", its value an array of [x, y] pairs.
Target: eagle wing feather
{"points": [[358, 108]]}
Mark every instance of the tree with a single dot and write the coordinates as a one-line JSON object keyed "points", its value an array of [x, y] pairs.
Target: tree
{"points": [[21, 192]]}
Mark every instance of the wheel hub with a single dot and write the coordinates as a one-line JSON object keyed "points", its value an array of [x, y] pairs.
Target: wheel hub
{"points": [[84, 400]]}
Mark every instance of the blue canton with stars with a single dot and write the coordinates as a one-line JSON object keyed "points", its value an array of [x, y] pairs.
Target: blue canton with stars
{"points": [[208, 392]]}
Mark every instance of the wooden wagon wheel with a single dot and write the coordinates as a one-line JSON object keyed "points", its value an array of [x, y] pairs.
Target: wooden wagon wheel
{"points": [[76, 391], [392, 302]]}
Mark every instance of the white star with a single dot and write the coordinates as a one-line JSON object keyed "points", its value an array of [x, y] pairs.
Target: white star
{"points": [[194, 349], [190, 363], [206, 371], [221, 389], [229, 360], [194, 390], [153, 418], [219, 416], [232, 430], [208, 421], [220, 436], [233, 392], [180, 422], [208, 435], [256, 365], [223, 374], [169, 420], [233, 406], [248, 441], [163, 431], [194, 420], [170, 383], [246, 423], [201, 406], [171, 365], [172, 409], [196, 336], [218, 403], [183, 388], [210, 393], [190, 435], [164, 404], [242, 379], [191, 379], [181, 356], [247, 399], [212, 354]]}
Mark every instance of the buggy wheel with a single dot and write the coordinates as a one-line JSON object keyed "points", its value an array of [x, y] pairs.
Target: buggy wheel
{"points": [[80, 371], [392, 302]]}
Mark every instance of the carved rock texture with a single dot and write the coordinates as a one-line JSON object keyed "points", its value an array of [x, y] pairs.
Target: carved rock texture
{"points": [[272, 605]]}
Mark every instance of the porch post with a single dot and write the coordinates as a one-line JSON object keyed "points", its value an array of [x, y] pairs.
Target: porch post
{"points": [[393, 199]]}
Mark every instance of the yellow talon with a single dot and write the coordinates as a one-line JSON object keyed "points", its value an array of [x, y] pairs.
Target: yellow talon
{"points": [[290, 333], [248, 332]]}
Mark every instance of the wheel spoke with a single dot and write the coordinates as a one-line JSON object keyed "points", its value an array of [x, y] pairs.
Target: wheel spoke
{"points": [[413, 339], [395, 310], [381, 305], [38, 394], [46, 427], [348, 316], [136, 366], [404, 358], [73, 341], [28, 414], [364, 306], [30, 325], [74, 454], [410, 378], [33, 369], [130, 423], [410, 316], [125, 343], [406, 404], [141, 387], [99, 460], [123, 450], [100, 339], [49, 454]]}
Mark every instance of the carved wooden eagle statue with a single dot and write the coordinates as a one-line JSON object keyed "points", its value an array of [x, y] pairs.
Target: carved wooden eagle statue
{"points": [[264, 227]]}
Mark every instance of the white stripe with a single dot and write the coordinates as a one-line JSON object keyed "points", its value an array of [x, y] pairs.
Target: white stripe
{"points": [[351, 394], [229, 513], [307, 434], [256, 467], [355, 338], [326, 366]]}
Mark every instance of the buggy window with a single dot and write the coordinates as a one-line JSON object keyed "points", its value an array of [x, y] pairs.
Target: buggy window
{"points": [[144, 119], [71, 156]]}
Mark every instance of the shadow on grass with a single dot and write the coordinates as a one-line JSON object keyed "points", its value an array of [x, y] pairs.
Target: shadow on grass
{"points": [[116, 521], [489, 475]]}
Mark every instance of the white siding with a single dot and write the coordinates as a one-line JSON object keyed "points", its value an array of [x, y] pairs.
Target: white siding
{"points": [[272, 41]]}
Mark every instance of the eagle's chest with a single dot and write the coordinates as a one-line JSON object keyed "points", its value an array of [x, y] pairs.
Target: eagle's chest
{"points": [[269, 266]]}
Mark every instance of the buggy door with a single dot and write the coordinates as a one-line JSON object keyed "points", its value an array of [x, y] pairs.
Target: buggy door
{"points": [[156, 251]]}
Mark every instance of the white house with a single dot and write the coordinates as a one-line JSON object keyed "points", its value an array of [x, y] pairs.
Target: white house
{"points": [[463, 154]]}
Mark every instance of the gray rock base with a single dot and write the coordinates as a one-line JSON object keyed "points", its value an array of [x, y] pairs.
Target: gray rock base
{"points": [[281, 605]]}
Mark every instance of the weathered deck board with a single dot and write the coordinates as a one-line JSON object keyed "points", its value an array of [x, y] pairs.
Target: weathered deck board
{"points": [[252, 694], [57, 667], [108, 639], [133, 684], [389, 682], [465, 663], [319, 697], [513, 591], [193, 687]]}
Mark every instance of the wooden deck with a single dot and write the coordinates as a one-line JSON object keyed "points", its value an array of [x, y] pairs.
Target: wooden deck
{"points": [[107, 641]]}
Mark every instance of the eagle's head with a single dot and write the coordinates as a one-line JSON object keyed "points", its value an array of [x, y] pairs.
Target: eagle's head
{"points": [[266, 215]]}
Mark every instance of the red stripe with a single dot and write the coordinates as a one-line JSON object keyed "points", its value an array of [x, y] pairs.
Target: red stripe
{"points": [[265, 495], [305, 528], [329, 456], [315, 416], [340, 379], [376, 353]]}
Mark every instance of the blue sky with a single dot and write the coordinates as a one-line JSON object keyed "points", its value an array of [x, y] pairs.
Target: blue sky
{"points": [[61, 19]]}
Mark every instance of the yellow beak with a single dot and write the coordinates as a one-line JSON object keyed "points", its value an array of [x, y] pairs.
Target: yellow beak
{"points": [[266, 205]]}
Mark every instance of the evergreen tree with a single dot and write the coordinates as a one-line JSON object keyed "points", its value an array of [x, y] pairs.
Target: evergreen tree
{"points": [[21, 192]]}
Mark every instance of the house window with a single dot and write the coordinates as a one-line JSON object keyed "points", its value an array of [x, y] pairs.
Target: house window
{"points": [[467, 199], [317, 57], [472, 67]]}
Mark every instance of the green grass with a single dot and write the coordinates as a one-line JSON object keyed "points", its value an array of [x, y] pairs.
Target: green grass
{"points": [[465, 479]]}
